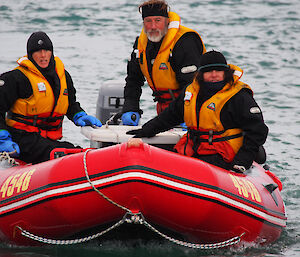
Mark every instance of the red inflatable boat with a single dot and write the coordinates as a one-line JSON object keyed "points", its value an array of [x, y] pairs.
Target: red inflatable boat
{"points": [[204, 204]]}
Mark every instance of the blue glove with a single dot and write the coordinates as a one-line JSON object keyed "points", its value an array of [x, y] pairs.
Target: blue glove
{"points": [[7, 145], [184, 126], [82, 119], [131, 118]]}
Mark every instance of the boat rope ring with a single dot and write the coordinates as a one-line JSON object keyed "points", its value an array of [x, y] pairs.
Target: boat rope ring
{"points": [[136, 218]]}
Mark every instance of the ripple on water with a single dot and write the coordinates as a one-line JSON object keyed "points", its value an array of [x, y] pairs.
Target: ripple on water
{"points": [[95, 38]]}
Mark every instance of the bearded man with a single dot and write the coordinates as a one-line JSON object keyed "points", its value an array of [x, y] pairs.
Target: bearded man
{"points": [[166, 54]]}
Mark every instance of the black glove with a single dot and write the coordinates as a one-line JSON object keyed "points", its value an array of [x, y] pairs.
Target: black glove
{"points": [[138, 133], [242, 161], [116, 119]]}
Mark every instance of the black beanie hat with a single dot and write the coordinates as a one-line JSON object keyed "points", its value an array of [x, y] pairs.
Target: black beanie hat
{"points": [[37, 41], [155, 9], [212, 60]]}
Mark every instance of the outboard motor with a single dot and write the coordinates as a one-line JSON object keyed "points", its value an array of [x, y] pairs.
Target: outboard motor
{"points": [[110, 100], [109, 103]]}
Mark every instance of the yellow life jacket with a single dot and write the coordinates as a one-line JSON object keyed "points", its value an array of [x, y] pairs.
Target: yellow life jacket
{"points": [[209, 131], [37, 113], [163, 76]]}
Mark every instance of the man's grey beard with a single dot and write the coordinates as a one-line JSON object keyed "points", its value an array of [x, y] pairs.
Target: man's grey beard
{"points": [[159, 37]]}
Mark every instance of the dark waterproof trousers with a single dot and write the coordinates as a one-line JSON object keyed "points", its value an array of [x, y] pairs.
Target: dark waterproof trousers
{"points": [[34, 148]]}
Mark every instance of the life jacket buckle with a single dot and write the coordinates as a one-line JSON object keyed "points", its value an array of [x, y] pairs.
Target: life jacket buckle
{"points": [[210, 137], [140, 59], [34, 121]]}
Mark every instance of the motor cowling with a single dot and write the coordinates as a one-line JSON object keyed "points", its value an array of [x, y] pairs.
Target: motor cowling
{"points": [[110, 100]]}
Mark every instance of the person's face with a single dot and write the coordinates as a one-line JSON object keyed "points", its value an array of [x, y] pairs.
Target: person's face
{"points": [[42, 57], [155, 27], [214, 76]]}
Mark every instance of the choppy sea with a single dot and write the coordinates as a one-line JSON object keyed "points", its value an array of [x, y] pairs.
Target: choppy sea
{"points": [[94, 39]]}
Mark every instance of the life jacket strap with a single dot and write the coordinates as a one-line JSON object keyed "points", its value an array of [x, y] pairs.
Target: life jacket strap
{"points": [[164, 96], [195, 135], [36, 121]]}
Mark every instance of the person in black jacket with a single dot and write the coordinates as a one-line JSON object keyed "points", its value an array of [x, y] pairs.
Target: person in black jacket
{"points": [[225, 124], [34, 98], [166, 53]]}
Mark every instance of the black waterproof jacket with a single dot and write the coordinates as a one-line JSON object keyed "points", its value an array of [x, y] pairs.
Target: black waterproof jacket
{"points": [[235, 114], [15, 85], [187, 51]]}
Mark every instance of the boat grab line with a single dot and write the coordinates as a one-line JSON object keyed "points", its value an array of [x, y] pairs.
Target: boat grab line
{"points": [[98, 191], [136, 218]]}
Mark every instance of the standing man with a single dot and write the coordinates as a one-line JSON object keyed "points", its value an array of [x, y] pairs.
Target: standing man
{"points": [[34, 98], [166, 53]]}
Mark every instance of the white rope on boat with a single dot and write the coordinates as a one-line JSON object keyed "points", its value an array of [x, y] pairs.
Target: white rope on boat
{"points": [[100, 193], [67, 242], [139, 219], [108, 127], [5, 156], [226, 243], [130, 218]]}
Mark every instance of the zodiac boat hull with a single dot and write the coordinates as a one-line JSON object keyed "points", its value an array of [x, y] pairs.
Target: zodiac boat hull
{"points": [[200, 202]]}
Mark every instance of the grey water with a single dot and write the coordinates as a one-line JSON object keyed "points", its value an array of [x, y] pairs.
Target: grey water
{"points": [[94, 39]]}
